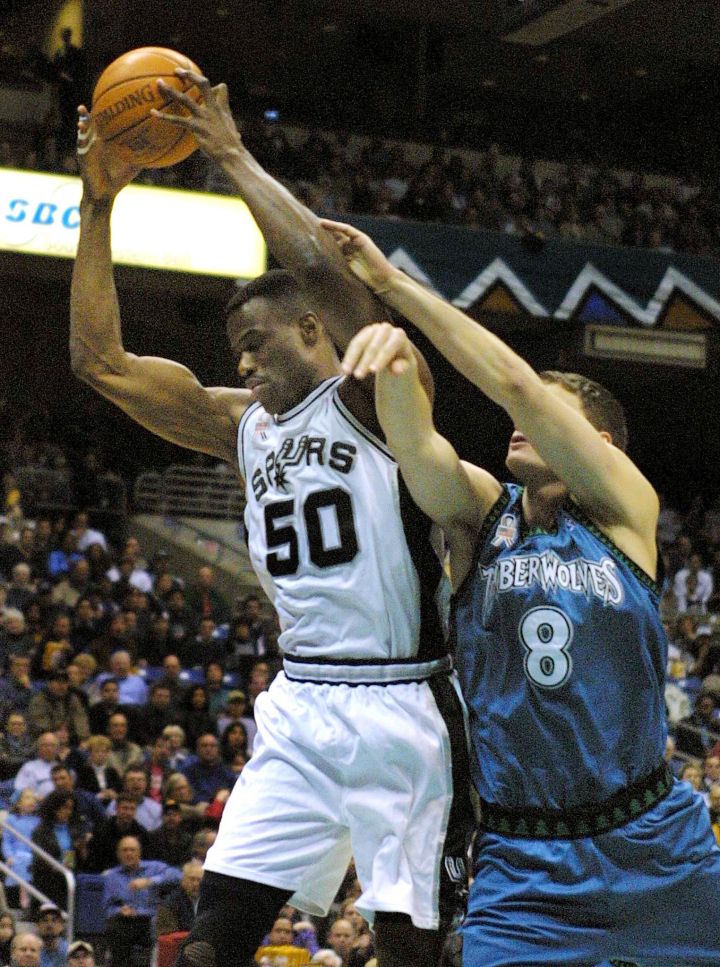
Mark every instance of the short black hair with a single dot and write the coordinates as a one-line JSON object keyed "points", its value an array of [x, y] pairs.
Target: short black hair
{"points": [[599, 405], [275, 284]]}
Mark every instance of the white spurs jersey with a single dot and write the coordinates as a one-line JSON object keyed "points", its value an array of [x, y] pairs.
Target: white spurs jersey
{"points": [[340, 548]]}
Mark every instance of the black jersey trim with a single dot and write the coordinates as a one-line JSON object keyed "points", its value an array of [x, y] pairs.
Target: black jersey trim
{"points": [[309, 400], [575, 511], [487, 525], [241, 434], [362, 430]]}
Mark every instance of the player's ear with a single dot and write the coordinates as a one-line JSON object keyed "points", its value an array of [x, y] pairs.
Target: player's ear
{"points": [[310, 329], [607, 437]]}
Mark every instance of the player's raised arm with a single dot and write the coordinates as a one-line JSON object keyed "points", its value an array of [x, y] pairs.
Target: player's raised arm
{"points": [[162, 395], [600, 476], [292, 232], [454, 494]]}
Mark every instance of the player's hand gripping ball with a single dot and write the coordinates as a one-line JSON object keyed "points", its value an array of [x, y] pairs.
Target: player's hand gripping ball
{"points": [[127, 92]]}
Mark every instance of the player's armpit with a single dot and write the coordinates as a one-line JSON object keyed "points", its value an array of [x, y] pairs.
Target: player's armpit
{"points": [[166, 398]]}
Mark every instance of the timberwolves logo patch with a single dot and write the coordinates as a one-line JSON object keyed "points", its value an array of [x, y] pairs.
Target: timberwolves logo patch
{"points": [[507, 531]]}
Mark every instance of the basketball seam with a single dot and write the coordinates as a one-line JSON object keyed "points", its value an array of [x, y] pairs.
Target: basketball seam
{"points": [[167, 151], [141, 121]]}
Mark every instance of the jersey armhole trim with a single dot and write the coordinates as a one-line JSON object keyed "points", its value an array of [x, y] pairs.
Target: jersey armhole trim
{"points": [[359, 428], [574, 510], [241, 433], [491, 519]]}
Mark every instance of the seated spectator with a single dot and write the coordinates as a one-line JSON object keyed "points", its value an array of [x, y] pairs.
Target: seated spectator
{"points": [[21, 589], [156, 643], [237, 713], [205, 771], [711, 771], [233, 740], [113, 638], [301, 933], [204, 600], [171, 677], [201, 843], [80, 672], [197, 719], [178, 910], [85, 534], [131, 898], [242, 653], [7, 932], [35, 774], [102, 849], [341, 938], [157, 767], [181, 618], [192, 813], [85, 627], [53, 706], [123, 753], [693, 586], [25, 950], [714, 807], [61, 559], [16, 692], [171, 843], [258, 682], [175, 734], [205, 646], [692, 772], [63, 838], [14, 637], [16, 745], [148, 812], [96, 776], [56, 652], [217, 692], [70, 589], [87, 811], [697, 734], [100, 712], [157, 714], [22, 817], [51, 927], [260, 627], [279, 945], [126, 575], [364, 947], [133, 690], [80, 954]]}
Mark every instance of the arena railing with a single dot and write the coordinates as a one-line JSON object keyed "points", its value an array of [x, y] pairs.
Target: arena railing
{"points": [[56, 865], [190, 492]]}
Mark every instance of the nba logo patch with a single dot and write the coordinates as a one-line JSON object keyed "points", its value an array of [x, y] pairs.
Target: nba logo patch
{"points": [[507, 531], [260, 433]]}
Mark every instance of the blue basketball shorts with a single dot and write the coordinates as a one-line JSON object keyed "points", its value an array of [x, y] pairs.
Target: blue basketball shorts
{"points": [[647, 893]]}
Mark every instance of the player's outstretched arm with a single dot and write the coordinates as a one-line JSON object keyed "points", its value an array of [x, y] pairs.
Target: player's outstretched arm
{"points": [[292, 232], [454, 494], [602, 478], [160, 394]]}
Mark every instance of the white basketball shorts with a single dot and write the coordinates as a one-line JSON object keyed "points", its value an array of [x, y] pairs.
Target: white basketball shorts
{"points": [[370, 771]]}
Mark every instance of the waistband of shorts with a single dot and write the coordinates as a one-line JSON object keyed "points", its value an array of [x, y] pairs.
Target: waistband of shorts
{"points": [[363, 671], [591, 820]]}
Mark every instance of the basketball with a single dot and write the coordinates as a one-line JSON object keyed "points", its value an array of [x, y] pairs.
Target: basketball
{"points": [[126, 93]]}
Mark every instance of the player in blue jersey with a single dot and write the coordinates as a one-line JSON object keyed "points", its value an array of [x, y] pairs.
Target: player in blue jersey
{"points": [[588, 849]]}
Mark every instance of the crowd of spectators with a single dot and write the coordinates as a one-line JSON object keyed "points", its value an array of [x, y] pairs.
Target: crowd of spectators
{"points": [[337, 173], [126, 715]]}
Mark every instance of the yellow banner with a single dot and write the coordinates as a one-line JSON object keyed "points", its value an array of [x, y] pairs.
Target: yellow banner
{"points": [[156, 228]]}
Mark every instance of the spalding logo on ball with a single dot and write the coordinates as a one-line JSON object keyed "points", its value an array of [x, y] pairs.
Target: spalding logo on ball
{"points": [[126, 93]]}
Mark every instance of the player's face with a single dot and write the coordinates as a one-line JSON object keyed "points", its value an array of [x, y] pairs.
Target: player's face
{"points": [[272, 361], [523, 460]]}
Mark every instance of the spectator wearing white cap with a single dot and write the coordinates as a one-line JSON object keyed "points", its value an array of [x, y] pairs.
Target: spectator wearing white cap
{"points": [[51, 927]]}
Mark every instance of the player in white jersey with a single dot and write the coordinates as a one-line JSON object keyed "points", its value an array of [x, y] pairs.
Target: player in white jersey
{"points": [[360, 747]]}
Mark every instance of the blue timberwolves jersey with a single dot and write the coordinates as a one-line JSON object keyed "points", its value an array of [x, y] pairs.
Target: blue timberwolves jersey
{"points": [[562, 656]]}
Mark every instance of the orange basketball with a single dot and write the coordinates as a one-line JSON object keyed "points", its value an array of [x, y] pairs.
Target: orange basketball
{"points": [[126, 93]]}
